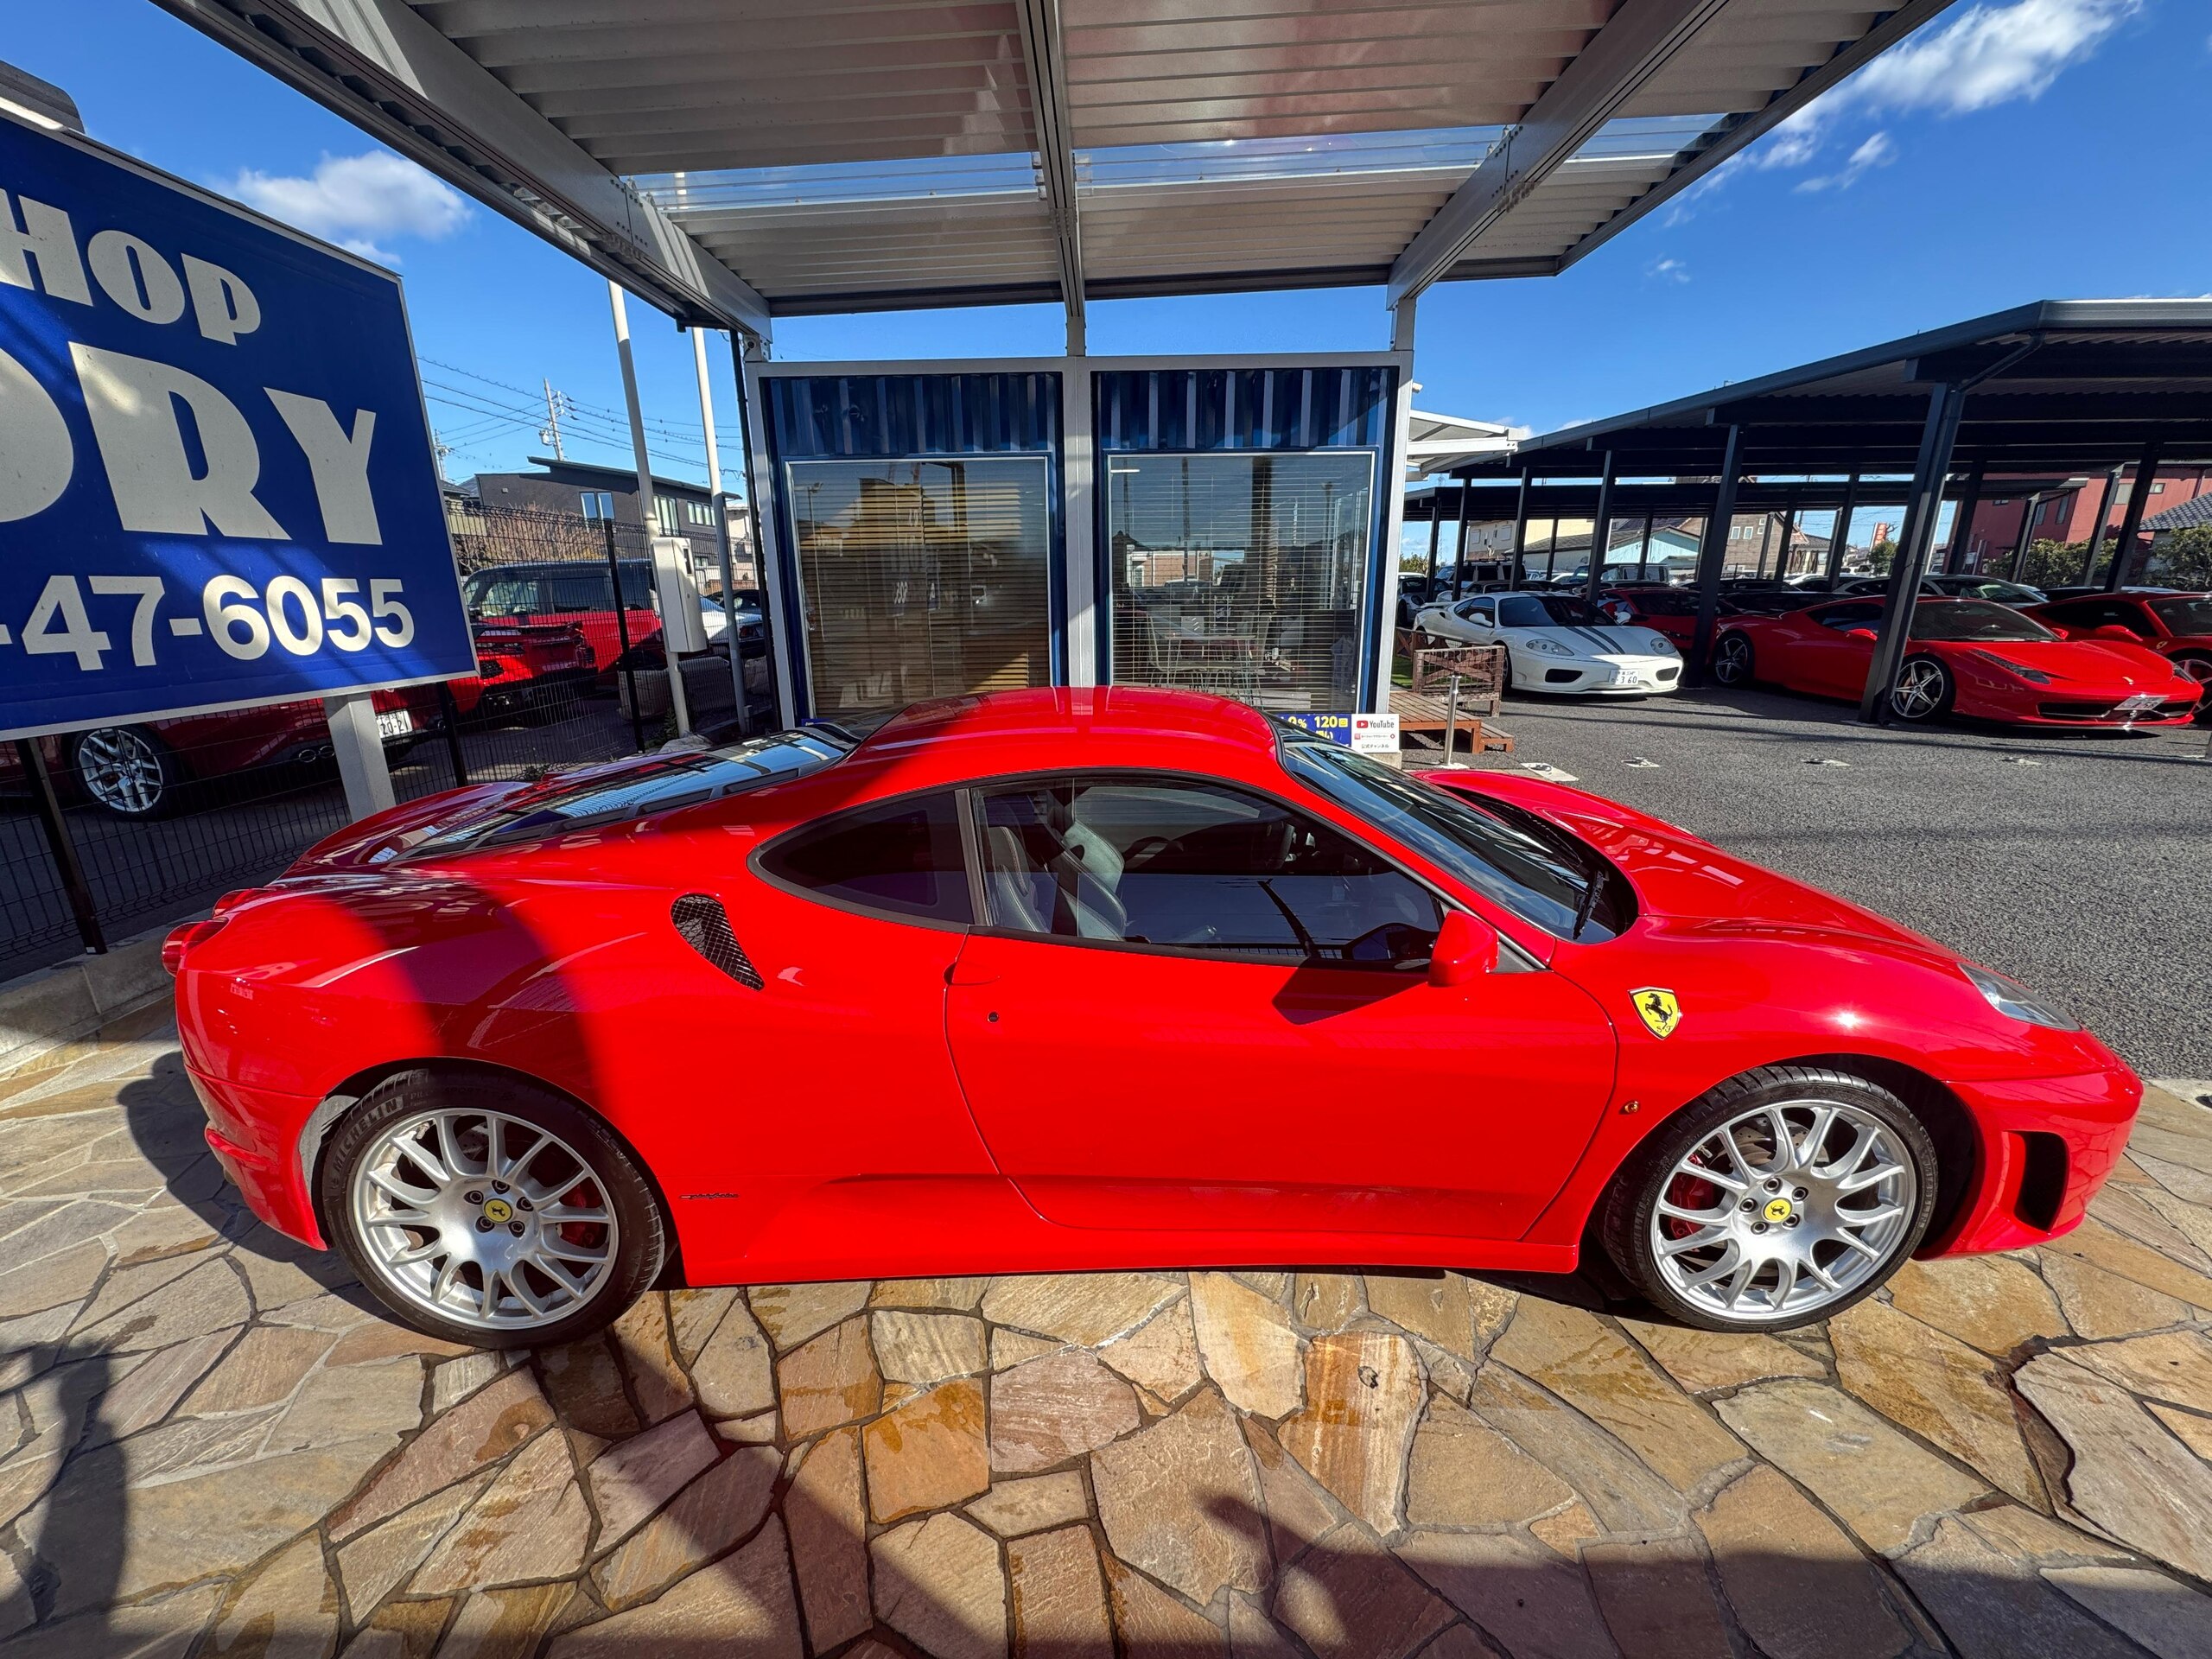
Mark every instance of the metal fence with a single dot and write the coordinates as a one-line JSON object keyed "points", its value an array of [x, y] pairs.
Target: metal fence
{"points": [[163, 817]]}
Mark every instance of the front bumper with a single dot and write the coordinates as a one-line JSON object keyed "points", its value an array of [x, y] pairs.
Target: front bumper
{"points": [[255, 1135], [1618, 677], [2047, 1146]]}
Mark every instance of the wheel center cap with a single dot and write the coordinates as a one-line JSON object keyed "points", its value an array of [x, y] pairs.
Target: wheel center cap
{"points": [[499, 1211], [1776, 1210]]}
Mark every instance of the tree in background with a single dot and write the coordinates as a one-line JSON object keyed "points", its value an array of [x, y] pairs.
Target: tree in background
{"points": [[2184, 559], [2053, 564], [1879, 555]]}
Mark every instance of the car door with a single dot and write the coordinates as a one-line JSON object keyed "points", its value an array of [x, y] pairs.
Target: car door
{"points": [[1822, 657], [1195, 1009]]}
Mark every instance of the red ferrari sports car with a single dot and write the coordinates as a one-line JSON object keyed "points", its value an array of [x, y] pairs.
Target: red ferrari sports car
{"points": [[2176, 625], [1062, 980], [1967, 656]]}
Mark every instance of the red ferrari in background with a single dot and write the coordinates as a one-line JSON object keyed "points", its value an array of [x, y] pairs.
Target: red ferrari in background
{"points": [[1058, 979], [142, 771], [1966, 656], [2176, 625]]}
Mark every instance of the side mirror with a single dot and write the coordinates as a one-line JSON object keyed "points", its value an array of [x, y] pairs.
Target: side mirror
{"points": [[1867, 634], [2114, 630], [1467, 949]]}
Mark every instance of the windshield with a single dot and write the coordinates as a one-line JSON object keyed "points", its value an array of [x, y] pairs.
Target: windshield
{"points": [[1527, 864], [660, 784], [1662, 601], [2191, 615], [1974, 619], [1548, 611]]}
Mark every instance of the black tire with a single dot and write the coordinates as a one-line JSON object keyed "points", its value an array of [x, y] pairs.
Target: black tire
{"points": [[1924, 691], [2198, 666], [128, 771], [641, 1234], [1734, 660], [1625, 1218]]}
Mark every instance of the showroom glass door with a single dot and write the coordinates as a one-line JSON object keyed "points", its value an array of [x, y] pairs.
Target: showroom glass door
{"points": [[921, 577], [1241, 573]]}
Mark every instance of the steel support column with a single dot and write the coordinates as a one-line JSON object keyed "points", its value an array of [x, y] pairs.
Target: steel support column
{"points": [[1435, 535], [1961, 542], [2139, 499], [1788, 528], [2028, 511], [1520, 535], [1939, 434], [1459, 552], [1839, 537], [2096, 539], [678, 701], [1601, 529], [1711, 553]]}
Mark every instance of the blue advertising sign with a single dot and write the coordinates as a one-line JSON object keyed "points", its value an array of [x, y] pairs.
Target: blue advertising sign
{"points": [[216, 482]]}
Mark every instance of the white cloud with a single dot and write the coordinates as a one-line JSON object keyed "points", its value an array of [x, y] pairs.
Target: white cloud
{"points": [[1875, 152], [1671, 270], [358, 201], [1988, 54]]}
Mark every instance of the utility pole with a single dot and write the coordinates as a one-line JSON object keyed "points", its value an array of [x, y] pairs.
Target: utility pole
{"points": [[645, 506], [721, 532], [552, 432]]}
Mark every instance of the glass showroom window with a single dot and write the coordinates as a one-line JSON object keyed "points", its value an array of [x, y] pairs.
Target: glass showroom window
{"points": [[921, 578], [1242, 573]]}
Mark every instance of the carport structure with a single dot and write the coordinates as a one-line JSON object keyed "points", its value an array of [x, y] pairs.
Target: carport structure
{"points": [[736, 160], [2059, 387]]}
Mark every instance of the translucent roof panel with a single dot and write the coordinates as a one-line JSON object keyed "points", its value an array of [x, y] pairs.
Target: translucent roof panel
{"points": [[878, 154]]}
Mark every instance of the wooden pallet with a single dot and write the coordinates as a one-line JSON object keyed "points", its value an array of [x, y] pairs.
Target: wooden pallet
{"points": [[1422, 712]]}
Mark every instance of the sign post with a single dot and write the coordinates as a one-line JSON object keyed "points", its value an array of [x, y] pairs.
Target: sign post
{"points": [[217, 487]]}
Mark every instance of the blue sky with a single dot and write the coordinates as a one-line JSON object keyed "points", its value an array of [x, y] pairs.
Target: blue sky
{"points": [[2015, 150]]}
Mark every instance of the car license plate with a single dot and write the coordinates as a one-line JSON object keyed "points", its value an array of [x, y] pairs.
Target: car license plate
{"points": [[1627, 677], [2141, 703], [397, 723]]}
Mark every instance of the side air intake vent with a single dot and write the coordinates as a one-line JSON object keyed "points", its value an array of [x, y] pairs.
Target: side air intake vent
{"points": [[705, 927]]}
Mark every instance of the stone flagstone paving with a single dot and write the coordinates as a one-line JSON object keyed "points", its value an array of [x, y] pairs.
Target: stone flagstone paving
{"points": [[210, 1446]]}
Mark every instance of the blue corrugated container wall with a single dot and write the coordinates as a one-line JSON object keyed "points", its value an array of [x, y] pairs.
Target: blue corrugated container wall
{"points": [[844, 417]]}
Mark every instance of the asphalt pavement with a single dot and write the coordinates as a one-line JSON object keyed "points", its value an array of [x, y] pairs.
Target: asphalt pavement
{"points": [[2079, 862]]}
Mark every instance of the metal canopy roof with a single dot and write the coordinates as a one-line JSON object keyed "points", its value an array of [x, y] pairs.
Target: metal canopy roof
{"points": [[735, 159], [2056, 385]]}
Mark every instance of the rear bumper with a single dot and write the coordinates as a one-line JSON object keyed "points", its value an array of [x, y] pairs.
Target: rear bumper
{"points": [[255, 1135], [2047, 1146]]}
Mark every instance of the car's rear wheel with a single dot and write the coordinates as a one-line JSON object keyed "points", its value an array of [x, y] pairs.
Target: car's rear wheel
{"points": [[485, 1211], [1732, 660], [1779, 1198], [130, 773], [1923, 691]]}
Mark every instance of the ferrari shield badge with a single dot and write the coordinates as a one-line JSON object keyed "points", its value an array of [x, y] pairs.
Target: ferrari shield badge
{"points": [[1658, 1008]]}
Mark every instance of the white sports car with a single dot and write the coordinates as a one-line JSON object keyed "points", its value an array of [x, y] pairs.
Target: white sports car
{"points": [[1560, 643]]}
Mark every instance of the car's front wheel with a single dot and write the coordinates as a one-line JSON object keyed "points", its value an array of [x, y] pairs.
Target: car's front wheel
{"points": [[1732, 660], [1779, 1198], [485, 1211], [129, 771], [1923, 691]]}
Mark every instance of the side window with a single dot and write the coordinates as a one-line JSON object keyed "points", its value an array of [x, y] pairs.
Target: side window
{"points": [[1479, 610], [637, 585], [1840, 617], [1190, 866], [902, 858], [581, 591]]}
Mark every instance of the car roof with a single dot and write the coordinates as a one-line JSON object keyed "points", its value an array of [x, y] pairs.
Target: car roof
{"points": [[982, 733]]}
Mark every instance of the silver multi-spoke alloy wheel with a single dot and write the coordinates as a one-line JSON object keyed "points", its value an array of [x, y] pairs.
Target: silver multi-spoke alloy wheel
{"points": [[484, 1220], [1785, 1211], [1922, 690], [122, 770]]}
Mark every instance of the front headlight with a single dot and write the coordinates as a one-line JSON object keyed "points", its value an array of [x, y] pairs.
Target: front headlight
{"points": [[1662, 646], [2015, 1000], [2032, 676], [1549, 647]]}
